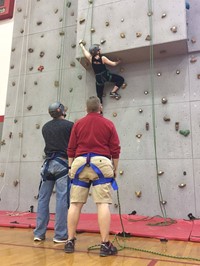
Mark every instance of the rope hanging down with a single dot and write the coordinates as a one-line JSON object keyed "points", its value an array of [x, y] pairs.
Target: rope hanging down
{"points": [[62, 48], [90, 7], [150, 9], [60, 92]]}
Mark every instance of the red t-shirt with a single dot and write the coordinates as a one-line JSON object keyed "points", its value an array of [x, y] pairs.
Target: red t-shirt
{"points": [[94, 133]]}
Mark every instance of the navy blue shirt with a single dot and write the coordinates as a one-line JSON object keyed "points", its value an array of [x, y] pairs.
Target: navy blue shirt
{"points": [[56, 134]]}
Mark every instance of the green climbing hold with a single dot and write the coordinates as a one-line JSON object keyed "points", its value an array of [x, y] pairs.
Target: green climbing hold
{"points": [[185, 133]]}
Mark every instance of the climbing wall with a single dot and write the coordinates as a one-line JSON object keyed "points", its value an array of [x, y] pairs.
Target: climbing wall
{"points": [[157, 117], [1, 125]]}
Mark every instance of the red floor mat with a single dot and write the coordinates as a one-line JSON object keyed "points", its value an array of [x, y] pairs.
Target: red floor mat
{"points": [[139, 226], [133, 224], [195, 234], [21, 219]]}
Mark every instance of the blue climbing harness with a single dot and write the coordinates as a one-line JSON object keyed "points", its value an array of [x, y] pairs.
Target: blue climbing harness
{"points": [[46, 175], [102, 180]]}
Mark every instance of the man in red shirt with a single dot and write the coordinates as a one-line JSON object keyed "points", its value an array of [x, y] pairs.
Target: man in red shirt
{"points": [[93, 154]]}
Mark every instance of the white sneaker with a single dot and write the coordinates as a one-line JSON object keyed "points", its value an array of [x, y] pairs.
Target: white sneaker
{"points": [[37, 238], [59, 240]]}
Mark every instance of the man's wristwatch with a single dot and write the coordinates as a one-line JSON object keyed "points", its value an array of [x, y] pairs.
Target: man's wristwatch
{"points": [[69, 167]]}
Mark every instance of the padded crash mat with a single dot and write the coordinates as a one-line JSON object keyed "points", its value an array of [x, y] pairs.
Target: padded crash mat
{"points": [[132, 225]]}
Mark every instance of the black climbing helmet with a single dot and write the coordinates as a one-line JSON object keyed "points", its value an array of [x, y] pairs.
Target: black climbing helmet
{"points": [[56, 110], [94, 49]]}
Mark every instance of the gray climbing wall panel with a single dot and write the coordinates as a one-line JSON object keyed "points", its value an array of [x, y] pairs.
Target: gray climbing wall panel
{"points": [[128, 22], [158, 106], [193, 29]]}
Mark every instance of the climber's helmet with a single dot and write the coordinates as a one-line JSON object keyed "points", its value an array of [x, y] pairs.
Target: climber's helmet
{"points": [[57, 109]]}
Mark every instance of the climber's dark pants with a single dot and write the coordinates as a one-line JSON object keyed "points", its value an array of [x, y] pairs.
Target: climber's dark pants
{"points": [[106, 76]]}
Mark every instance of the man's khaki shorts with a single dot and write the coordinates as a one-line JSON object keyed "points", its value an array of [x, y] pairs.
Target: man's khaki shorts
{"points": [[101, 193]]}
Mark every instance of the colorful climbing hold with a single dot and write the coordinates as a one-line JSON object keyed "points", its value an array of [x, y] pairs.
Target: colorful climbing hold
{"points": [[185, 133]]}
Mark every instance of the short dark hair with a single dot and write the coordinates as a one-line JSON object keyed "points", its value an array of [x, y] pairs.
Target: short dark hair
{"points": [[93, 104]]}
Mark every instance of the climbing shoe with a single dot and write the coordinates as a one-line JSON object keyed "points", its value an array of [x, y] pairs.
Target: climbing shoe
{"points": [[115, 95], [107, 249], [69, 246]]}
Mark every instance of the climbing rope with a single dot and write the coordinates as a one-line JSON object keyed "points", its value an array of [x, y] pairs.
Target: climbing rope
{"points": [[90, 7], [150, 10], [123, 234], [23, 101], [62, 47], [123, 245], [167, 221], [91, 23], [60, 89], [157, 253], [90, 26]]}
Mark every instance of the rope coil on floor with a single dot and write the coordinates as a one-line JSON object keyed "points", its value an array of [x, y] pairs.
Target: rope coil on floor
{"points": [[124, 246]]}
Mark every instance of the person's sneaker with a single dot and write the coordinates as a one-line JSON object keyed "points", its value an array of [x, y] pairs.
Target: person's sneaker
{"points": [[114, 95], [107, 249], [69, 246], [57, 241], [38, 239]]}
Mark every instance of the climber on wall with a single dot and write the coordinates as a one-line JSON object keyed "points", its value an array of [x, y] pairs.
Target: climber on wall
{"points": [[102, 74]]}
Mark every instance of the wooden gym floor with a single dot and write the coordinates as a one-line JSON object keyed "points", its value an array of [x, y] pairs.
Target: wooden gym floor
{"points": [[18, 248]]}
